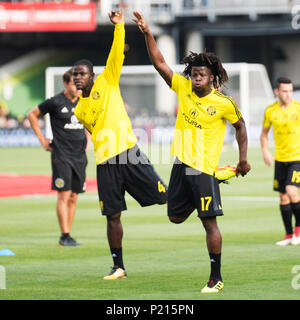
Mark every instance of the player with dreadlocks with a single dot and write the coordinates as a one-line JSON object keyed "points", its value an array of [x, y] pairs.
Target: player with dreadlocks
{"points": [[209, 60], [197, 143]]}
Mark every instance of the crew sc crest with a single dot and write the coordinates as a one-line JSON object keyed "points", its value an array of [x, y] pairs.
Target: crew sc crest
{"points": [[95, 95], [211, 110]]}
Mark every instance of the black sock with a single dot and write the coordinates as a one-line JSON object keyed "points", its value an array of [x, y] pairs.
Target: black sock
{"points": [[296, 212], [215, 266], [65, 235], [117, 256], [286, 214]]}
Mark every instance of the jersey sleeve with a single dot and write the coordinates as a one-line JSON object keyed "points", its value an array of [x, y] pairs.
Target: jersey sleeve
{"points": [[178, 82], [175, 82], [115, 58], [46, 106], [232, 113], [267, 122]]}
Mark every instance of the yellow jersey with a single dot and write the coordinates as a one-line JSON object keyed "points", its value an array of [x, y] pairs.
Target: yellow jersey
{"points": [[103, 113], [200, 125], [286, 129]]}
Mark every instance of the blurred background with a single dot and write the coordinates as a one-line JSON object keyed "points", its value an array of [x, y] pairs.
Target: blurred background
{"points": [[258, 41]]}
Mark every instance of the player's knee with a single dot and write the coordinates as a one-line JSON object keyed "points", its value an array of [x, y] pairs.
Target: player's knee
{"points": [[176, 220], [210, 224], [292, 193], [284, 198], [114, 218], [73, 198]]}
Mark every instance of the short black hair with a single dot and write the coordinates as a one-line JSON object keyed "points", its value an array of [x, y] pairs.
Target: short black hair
{"points": [[85, 62], [281, 80], [209, 60], [67, 76]]}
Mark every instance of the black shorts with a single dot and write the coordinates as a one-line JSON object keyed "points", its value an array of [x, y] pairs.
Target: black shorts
{"points": [[190, 188], [68, 173], [286, 173], [130, 171]]}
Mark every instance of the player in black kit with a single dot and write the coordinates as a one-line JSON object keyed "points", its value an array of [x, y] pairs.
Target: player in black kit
{"points": [[68, 157]]}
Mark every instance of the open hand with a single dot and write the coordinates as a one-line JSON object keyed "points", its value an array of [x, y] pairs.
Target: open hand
{"points": [[140, 21], [116, 16]]}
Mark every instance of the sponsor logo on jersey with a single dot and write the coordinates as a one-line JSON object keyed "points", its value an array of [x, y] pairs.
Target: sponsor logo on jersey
{"points": [[191, 121], [193, 113], [64, 110], [75, 124]]}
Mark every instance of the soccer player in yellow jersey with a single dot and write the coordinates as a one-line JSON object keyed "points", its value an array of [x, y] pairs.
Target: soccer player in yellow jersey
{"points": [[121, 166], [197, 143], [284, 116]]}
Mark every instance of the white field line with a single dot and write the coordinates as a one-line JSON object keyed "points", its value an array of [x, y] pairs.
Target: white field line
{"points": [[250, 198]]}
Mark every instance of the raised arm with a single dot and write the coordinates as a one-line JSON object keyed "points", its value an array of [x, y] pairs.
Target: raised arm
{"points": [[241, 137], [155, 55], [115, 58]]}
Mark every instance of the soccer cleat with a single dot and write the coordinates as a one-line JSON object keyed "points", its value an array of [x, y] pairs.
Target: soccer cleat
{"points": [[213, 286], [225, 173], [68, 242], [116, 273], [285, 241], [296, 238]]}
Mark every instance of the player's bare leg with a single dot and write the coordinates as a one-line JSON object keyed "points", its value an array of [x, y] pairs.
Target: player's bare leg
{"points": [[293, 194], [114, 237], [62, 210], [214, 247], [72, 201], [213, 235], [182, 218], [114, 230]]}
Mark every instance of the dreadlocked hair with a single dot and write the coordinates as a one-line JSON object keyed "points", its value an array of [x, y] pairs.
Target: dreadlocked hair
{"points": [[209, 60]]}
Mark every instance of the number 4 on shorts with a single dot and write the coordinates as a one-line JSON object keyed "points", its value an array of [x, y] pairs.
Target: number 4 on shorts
{"points": [[161, 187]]}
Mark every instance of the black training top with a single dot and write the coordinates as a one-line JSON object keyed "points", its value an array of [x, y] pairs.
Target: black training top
{"points": [[68, 133]]}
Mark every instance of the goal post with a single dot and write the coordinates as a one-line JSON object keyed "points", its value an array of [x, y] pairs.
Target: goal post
{"points": [[142, 89]]}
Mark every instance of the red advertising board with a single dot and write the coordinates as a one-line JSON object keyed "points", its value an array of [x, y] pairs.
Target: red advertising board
{"points": [[24, 17]]}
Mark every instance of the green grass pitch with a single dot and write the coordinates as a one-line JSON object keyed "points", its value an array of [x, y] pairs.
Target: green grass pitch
{"points": [[163, 260]]}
